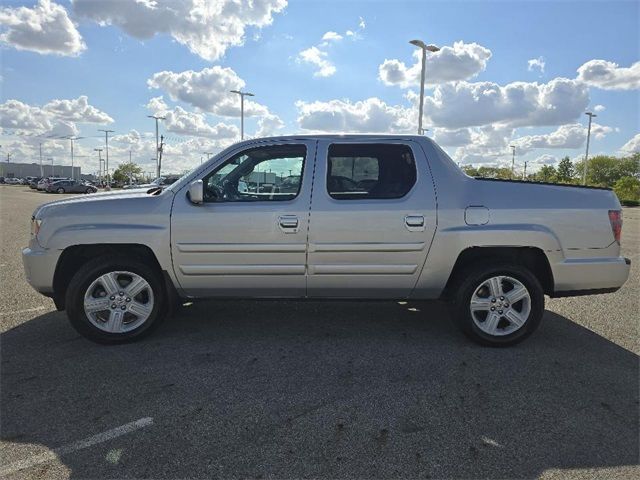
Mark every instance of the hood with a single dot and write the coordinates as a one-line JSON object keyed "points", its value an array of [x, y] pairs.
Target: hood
{"points": [[94, 199]]}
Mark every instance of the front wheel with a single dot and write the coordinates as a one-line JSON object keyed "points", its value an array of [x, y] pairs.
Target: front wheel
{"points": [[115, 300], [498, 304], [60, 190]]}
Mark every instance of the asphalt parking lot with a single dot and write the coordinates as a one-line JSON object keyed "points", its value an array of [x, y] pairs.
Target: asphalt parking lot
{"points": [[278, 389]]}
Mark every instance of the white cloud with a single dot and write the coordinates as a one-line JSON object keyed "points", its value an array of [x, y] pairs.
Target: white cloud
{"points": [[207, 90], [331, 36], [268, 125], [452, 138], [609, 76], [45, 29], [460, 62], [464, 104], [181, 122], [318, 58], [633, 145], [361, 23], [58, 117], [599, 108], [568, 136], [77, 110], [207, 28], [545, 159], [370, 115], [536, 64], [157, 106], [488, 144]]}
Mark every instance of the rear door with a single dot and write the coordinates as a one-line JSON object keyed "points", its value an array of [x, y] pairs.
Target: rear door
{"points": [[373, 217], [249, 237]]}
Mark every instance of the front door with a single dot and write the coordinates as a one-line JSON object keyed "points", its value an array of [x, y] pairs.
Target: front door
{"points": [[249, 237], [373, 217]]}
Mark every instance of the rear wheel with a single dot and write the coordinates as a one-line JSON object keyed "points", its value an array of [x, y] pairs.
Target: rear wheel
{"points": [[60, 190], [498, 304], [115, 300]]}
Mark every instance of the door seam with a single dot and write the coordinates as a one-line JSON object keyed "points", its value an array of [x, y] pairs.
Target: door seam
{"points": [[306, 250]]}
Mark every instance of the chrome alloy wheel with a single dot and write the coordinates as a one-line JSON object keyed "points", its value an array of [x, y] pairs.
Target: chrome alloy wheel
{"points": [[500, 305], [118, 302]]}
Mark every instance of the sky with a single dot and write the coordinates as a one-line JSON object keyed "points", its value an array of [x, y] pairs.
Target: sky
{"points": [[519, 73]]}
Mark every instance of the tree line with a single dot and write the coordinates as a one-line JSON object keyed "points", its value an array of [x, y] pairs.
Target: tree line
{"points": [[622, 174]]}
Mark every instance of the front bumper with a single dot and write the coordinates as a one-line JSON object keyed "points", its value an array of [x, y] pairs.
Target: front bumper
{"points": [[39, 267], [587, 276]]}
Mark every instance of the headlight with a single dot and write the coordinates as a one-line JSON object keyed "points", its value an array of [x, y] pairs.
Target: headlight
{"points": [[36, 223]]}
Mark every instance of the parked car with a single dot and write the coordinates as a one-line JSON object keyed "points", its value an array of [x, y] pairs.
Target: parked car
{"points": [[423, 230], [12, 181], [70, 186], [33, 183], [158, 182], [42, 184]]}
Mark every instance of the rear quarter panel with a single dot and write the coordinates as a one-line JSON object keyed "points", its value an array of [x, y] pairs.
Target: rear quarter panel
{"points": [[564, 222]]}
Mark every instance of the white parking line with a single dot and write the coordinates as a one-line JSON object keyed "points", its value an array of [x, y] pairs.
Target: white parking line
{"points": [[18, 312], [72, 447]]}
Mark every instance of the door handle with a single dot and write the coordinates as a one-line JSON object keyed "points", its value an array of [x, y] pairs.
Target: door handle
{"points": [[414, 223], [288, 223]]}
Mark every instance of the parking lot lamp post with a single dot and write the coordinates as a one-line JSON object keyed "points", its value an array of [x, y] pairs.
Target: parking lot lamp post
{"points": [[513, 159], [99, 150], [158, 166], [242, 95], [106, 143], [586, 154], [424, 47], [41, 168]]}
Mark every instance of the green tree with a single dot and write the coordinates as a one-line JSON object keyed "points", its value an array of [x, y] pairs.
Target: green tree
{"points": [[628, 189], [547, 173], [566, 170], [126, 171], [605, 171]]}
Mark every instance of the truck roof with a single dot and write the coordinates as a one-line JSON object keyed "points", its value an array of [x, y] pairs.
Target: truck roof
{"points": [[342, 136]]}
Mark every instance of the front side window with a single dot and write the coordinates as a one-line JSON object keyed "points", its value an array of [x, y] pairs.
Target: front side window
{"points": [[370, 171], [268, 173]]}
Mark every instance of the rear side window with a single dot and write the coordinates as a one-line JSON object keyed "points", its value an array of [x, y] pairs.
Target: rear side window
{"points": [[370, 171]]}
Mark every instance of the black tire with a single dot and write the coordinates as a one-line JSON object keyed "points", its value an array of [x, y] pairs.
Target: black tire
{"points": [[470, 279], [91, 271], [60, 190], [88, 190]]}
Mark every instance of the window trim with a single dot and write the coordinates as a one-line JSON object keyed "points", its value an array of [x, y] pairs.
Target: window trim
{"points": [[373, 143], [255, 147]]}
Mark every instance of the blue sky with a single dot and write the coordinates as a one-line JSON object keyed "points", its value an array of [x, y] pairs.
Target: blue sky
{"points": [[131, 60]]}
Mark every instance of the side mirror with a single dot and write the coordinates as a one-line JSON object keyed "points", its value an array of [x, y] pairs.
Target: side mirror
{"points": [[196, 192]]}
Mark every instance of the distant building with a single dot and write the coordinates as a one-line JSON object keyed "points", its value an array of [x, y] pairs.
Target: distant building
{"points": [[21, 170]]}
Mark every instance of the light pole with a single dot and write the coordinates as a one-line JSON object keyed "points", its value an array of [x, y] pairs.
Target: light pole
{"points": [[41, 168], [99, 150], [71, 139], [242, 95], [158, 167], [424, 47], [513, 160], [106, 168], [524, 175], [586, 154]]}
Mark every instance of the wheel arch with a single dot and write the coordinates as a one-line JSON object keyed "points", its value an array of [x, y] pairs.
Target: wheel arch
{"points": [[532, 258], [74, 256]]}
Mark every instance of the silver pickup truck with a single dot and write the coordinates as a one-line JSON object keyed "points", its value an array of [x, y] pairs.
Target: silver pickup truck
{"points": [[331, 217]]}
